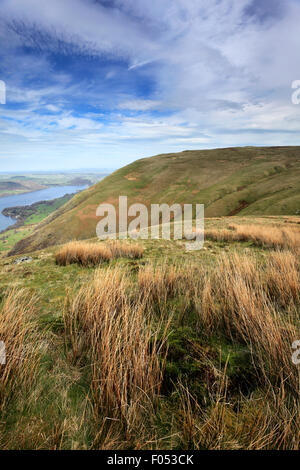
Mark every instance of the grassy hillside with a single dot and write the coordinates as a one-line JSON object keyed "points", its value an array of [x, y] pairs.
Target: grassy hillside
{"points": [[243, 181]]}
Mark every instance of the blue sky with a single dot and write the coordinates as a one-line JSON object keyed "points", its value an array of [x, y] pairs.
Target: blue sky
{"points": [[98, 84]]}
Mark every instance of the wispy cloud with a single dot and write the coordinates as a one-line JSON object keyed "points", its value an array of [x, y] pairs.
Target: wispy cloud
{"points": [[127, 78], [139, 105]]}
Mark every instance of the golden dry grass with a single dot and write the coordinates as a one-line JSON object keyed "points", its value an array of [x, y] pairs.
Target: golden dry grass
{"points": [[92, 254], [243, 299], [243, 304], [158, 283], [17, 331], [249, 301], [282, 277], [262, 235], [125, 353]]}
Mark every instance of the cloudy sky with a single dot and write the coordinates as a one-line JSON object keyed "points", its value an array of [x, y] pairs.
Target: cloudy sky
{"points": [[100, 83]]}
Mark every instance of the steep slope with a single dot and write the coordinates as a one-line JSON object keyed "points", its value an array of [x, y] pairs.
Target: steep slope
{"points": [[249, 180]]}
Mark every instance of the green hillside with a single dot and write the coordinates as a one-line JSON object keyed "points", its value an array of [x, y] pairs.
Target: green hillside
{"points": [[231, 181]]}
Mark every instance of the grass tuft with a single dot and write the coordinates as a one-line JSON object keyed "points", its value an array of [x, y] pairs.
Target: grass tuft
{"points": [[92, 254]]}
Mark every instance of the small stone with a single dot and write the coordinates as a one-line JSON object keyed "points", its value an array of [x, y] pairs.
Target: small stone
{"points": [[24, 259]]}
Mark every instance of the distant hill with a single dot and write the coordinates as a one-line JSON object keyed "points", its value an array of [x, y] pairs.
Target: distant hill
{"points": [[10, 186], [230, 181]]}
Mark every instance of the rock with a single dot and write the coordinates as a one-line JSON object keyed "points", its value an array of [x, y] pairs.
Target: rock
{"points": [[24, 259]]}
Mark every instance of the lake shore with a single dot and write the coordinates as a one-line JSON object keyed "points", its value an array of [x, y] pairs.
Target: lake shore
{"points": [[12, 207], [22, 213], [18, 184]]}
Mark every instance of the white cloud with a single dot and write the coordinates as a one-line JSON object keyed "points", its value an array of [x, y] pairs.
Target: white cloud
{"points": [[52, 108], [222, 77], [139, 105]]}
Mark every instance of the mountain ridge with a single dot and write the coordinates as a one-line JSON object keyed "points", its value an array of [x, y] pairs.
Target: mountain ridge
{"points": [[229, 181]]}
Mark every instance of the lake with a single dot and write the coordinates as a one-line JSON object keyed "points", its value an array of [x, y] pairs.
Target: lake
{"points": [[30, 198]]}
